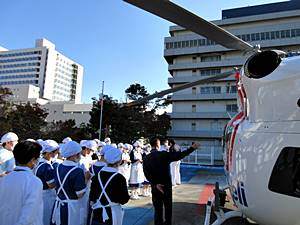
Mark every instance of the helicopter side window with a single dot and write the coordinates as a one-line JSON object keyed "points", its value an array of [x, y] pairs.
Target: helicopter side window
{"points": [[285, 177]]}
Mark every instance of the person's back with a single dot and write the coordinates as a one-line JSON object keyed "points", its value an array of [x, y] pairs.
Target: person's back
{"points": [[158, 172], [108, 191], [21, 191], [23, 186], [157, 165], [116, 190], [70, 188]]}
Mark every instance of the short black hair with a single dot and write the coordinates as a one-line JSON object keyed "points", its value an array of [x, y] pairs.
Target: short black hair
{"points": [[153, 141], [25, 151], [172, 141]]}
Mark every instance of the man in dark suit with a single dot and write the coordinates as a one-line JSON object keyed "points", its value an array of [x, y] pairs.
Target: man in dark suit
{"points": [[156, 167]]}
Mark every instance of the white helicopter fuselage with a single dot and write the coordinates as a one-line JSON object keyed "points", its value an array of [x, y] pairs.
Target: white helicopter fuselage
{"points": [[269, 123]]}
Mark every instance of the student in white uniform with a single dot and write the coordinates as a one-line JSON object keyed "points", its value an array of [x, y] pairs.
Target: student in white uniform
{"points": [[57, 159], [137, 174], [45, 171], [7, 160], [107, 141], [21, 191], [70, 188], [85, 159], [108, 191], [91, 147], [175, 166], [125, 165]]}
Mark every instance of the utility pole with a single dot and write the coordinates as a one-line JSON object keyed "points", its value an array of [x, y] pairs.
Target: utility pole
{"points": [[101, 110]]}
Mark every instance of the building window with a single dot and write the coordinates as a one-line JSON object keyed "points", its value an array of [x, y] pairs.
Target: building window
{"points": [[193, 108], [194, 72], [231, 108], [210, 90], [194, 90], [210, 72], [231, 89], [193, 126], [194, 59], [211, 58]]}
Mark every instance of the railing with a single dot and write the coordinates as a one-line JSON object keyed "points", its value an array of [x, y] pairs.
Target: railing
{"points": [[206, 155]]}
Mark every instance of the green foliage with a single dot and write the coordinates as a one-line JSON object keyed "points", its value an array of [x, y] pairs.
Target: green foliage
{"points": [[122, 124], [27, 120], [60, 129], [126, 124], [5, 108], [136, 91]]}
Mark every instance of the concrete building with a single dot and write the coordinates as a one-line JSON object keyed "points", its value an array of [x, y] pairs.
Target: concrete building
{"points": [[200, 113], [67, 110], [58, 77]]}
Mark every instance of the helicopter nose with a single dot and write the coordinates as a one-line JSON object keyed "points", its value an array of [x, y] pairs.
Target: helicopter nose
{"points": [[262, 64]]}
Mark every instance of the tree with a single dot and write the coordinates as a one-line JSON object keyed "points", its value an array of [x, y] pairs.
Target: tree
{"points": [[126, 124], [27, 120], [5, 108], [61, 129], [136, 91]]}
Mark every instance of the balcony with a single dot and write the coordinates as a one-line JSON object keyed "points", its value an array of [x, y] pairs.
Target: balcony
{"points": [[196, 65], [179, 80], [195, 134], [200, 115], [208, 97]]}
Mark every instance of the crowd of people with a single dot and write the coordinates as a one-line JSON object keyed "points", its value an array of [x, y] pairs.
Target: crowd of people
{"points": [[43, 182]]}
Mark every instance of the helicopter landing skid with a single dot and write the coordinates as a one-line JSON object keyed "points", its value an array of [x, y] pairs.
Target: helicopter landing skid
{"points": [[223, 218]]}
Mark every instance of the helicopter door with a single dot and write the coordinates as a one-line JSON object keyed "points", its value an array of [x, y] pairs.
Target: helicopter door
{"points": [[285, 178]]}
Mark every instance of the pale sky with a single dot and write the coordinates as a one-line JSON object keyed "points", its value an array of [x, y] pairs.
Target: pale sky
{"points": [[114, 41]]}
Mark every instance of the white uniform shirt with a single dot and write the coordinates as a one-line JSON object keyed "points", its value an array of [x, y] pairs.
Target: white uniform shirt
{"points": [[21, 198], [85, 162], [7, 160]]}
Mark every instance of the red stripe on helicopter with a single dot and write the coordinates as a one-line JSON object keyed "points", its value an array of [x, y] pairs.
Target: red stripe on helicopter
{"points": [[235, 122]]}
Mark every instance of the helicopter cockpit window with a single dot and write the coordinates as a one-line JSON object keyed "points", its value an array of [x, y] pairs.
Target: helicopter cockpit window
{"points": [[285, 177]]}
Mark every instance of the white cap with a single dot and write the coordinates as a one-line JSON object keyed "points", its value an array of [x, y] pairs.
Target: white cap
{"points": [[10, 136], [97, 141], [70, 148], [83, 143], [114, 145], [30, 139], [126, 146], [49, 146], [102, 144], [67, 139], [120, 145], [91, 144], [107, 140], [112, 154], [137, 144]]}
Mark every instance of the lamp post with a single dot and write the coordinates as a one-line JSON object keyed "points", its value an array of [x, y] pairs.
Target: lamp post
{"points": [[101, 111]]}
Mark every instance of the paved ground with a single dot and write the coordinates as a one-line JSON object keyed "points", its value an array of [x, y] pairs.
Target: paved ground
{"points": [[189, 198]]}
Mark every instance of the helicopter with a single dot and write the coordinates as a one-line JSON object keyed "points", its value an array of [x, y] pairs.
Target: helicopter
{"points": [[262, 144]]}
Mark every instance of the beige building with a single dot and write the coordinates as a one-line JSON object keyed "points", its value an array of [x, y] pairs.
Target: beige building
{"points": [[58, 77], [43, 75], [200, 113]]}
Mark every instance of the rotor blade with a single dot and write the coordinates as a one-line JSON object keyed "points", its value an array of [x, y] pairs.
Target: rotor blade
{"points": [[181, 87], [180, 16]]}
